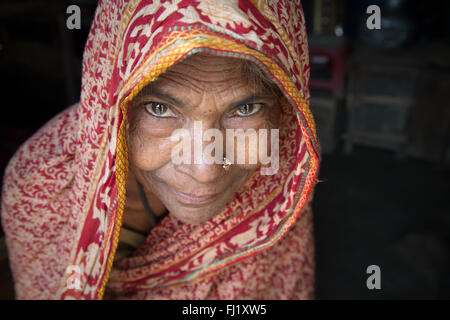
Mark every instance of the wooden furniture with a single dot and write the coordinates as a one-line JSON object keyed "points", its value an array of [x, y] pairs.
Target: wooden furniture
{"points": [[398, 100], [381, 93]]}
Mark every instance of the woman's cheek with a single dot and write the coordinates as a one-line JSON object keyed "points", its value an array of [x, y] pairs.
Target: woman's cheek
{"points": [[245, 155], [252, 153], [149, 153]]}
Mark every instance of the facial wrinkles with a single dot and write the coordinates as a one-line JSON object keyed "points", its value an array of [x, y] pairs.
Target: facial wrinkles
{"points": [[205, 75], [206, 99], [205, 90], [206, 86]]}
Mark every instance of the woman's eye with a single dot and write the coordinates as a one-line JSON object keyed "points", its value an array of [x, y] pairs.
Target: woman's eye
{"points": [[159, 110], [246, 110]]}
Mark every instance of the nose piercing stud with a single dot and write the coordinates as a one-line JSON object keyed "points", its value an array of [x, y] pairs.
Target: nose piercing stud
{"points": [[226, 164]]}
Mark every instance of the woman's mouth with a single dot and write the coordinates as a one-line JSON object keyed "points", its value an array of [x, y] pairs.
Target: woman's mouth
{"points": [[193, 199]]}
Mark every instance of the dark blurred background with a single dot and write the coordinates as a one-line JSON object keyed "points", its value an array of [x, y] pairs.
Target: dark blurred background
{"points": [[380, 102]]}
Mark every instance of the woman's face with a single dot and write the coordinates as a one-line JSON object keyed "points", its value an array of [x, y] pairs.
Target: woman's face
{"points": [[214, 91]]}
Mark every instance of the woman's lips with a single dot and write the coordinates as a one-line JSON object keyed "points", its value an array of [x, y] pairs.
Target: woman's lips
{"points": [[191, 199]]}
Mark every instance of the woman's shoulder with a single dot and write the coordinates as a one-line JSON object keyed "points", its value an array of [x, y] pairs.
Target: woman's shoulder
{"points": [[41, 165], [37, 207], [52, 139]]}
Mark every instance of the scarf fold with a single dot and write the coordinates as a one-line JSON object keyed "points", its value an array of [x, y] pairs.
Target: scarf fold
{"points": [[64, 190]]}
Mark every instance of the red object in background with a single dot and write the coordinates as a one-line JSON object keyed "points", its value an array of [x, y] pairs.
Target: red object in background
{"points": [[335, 58]]}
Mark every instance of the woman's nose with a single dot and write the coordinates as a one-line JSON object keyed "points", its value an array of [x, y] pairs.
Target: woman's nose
{"points": [[205, 166], [202, 173]]}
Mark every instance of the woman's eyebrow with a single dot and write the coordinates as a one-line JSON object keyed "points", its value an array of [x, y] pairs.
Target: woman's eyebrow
{"points": [[250, 99], [167, 97]]}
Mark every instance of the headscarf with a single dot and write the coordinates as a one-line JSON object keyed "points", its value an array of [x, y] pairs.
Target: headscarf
{"points": [[64, 190]]}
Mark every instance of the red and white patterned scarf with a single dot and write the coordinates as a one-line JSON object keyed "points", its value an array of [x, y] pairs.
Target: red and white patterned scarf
{"points": [[64, 190]]}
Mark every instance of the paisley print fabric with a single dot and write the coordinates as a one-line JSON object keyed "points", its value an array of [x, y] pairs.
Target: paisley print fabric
{"points": [[64, 190]]}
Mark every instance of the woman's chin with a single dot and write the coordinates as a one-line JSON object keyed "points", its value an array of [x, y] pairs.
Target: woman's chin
{"points": [[195, 216]]}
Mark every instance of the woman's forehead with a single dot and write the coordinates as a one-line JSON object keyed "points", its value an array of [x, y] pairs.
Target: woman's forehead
{"points": [[205, 72], [210, 73], [210, 62]]}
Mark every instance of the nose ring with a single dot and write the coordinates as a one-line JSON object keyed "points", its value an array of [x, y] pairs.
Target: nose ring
{"points": [[226, 164]]}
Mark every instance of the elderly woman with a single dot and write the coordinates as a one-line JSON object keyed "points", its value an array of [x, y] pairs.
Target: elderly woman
{"points": [[94, 204]]}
